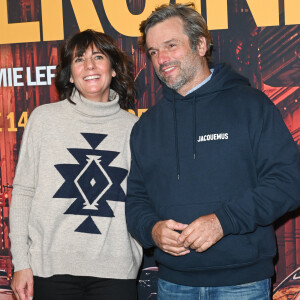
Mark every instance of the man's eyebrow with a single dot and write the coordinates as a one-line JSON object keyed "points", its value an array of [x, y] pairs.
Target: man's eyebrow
{"points": [[171, 40], [151, 48], [165, 42]]}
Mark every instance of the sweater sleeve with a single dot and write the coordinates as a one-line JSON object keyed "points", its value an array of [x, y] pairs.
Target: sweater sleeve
{"points": [[22, 195], [278, 179], [140, 214]]}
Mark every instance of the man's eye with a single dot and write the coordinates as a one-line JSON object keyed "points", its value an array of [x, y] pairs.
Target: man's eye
{"points": [[151, 53], [172, 45]]}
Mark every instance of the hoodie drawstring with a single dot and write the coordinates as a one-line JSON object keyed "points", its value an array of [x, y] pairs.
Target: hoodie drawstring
{"points": [[176, 138], [194, 126], [176, 133]]}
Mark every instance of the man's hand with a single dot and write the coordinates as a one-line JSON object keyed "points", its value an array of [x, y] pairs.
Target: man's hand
{"points": [[165, 237], [202, 233], [22, 284]]}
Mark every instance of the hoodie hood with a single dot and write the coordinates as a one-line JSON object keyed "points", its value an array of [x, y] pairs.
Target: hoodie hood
{"points": [[223, 78]]}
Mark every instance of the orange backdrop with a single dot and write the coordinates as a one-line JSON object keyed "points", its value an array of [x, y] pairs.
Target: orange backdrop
{"points": [[260, 39]]}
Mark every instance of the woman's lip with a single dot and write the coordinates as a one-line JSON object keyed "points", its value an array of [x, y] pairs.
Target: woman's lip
{"points": [[90, 77]]}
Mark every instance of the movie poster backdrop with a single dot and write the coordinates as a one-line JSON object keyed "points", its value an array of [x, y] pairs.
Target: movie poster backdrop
{"points": [[260, 39]]}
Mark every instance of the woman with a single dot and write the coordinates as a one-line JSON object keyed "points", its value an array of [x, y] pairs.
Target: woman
{"points": [[68, 232]]}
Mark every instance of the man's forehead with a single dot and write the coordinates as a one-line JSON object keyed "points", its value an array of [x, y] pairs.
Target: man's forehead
{"points": [[165, 31], [169, 23]]}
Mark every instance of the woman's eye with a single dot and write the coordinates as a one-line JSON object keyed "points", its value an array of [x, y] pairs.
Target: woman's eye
{"points": [[78, 59], [98, 57]]}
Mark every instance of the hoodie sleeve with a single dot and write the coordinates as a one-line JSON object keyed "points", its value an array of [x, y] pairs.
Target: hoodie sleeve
{"points": [[278, 179], [140, 214], [22, 195]]}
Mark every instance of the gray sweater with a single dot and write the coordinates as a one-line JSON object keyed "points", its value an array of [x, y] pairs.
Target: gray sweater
{"points": [[67, 211]]}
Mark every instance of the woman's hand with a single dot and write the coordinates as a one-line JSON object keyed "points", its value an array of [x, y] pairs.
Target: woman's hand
{"points": [[22, 284]]}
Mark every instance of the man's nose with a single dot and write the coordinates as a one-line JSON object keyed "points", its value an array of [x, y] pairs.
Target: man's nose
{"points": [[162, 57]]}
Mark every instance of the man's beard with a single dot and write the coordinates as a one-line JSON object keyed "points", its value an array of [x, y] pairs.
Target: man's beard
{"points": [[187, 72]]}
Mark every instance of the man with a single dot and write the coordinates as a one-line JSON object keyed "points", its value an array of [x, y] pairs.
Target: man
{"points": [[213, 166]]}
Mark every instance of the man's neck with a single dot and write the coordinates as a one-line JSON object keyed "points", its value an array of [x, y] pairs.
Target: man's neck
{"points": [[201, 84], [202, 75]]}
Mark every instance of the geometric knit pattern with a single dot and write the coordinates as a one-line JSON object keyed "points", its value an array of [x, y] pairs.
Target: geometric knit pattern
{"points": [[91, 182]]}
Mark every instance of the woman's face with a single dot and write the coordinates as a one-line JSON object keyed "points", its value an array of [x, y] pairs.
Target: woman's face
{"points": [[91, 74]]}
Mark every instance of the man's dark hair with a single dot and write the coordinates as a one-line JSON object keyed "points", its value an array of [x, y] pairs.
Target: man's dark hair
{"points": [[122, 83], [194, 24]]}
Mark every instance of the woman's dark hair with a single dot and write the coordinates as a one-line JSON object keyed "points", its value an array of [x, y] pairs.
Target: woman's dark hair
{"points": [[122, 83]]}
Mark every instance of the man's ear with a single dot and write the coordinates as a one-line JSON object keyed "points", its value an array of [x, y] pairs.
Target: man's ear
{"points": [[202, 46]]}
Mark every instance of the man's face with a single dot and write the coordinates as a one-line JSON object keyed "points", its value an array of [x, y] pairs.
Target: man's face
{"points": [[174, 62]]}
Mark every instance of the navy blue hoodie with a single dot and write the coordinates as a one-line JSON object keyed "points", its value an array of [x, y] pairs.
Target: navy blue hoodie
{"points": [[222, 149]]}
